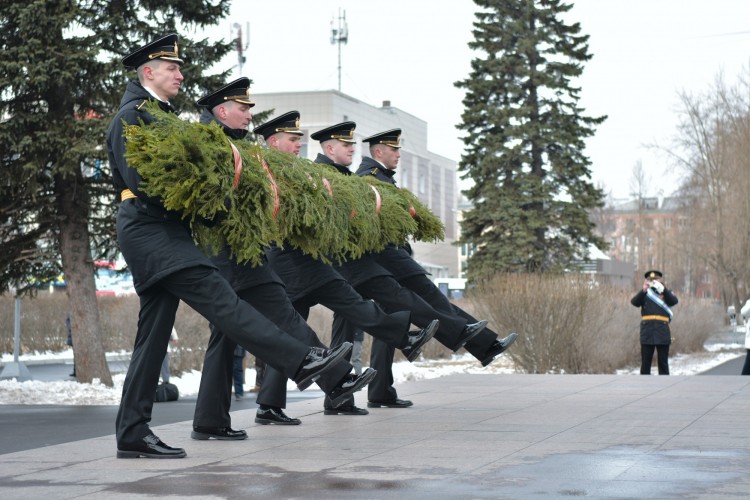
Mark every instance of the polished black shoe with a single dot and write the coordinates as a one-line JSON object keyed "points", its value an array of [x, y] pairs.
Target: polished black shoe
{"points": [[274, 416], [418, 339], [350, 385], [222, 433], [317, 361], [470, 331], [498, 347], [396, 403], [345, 410], [149, 447]]}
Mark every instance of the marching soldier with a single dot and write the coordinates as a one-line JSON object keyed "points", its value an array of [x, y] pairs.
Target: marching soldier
{"points": [[485, 346], [260, 287], [168, 267], [376, 282]]}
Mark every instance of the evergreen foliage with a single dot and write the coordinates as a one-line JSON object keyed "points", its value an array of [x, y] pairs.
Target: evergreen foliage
{"points": [[279, 197], [525, 140], [61, 81]]}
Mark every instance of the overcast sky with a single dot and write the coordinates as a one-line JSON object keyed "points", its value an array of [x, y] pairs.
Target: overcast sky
{"points": [[412, 51]]}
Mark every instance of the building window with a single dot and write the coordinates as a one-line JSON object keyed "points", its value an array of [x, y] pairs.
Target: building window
{"points": [[667, 223], [422, 183], [706, 278], [706, 294]]}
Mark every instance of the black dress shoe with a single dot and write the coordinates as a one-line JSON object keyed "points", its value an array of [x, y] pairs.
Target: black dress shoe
{"points": [[274, 416], [498, 347], [149, 447], [345, 410], [418, 339], [350, 385], [470, 331], [317, 361], [222, 433], [396, 403]]}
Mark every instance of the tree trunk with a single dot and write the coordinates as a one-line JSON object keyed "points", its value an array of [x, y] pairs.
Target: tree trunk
{"points": [[78, 269]]}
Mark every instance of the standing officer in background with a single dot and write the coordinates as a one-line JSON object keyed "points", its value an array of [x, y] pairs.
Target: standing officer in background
{"points": [[655, 301], [168, 266], [373, 280], [260, 287], [485, 346]]}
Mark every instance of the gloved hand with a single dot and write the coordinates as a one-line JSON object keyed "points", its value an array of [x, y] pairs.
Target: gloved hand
{"points": [[657, 286]]}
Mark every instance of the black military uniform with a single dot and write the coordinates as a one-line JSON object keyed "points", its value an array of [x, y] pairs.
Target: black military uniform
{"points": [[655, 319], [168, 267], [260, 287], [309, 282], [376, 282], [399, 261]]}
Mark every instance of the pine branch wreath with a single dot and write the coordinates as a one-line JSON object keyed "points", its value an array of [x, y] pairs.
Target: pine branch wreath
{"points": [[278, 197]]}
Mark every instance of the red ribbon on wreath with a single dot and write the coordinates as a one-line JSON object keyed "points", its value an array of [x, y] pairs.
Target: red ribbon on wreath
{"points": [[237, 164], [274, 187], [327, 186], [378, 200]]}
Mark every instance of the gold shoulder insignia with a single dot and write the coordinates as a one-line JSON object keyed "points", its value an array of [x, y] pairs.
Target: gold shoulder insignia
{"points": [[141, 104], [374, 171]]}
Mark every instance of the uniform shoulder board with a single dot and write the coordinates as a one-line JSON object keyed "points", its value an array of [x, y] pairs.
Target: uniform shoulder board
{"points": [[374, 171], [141, 104]]}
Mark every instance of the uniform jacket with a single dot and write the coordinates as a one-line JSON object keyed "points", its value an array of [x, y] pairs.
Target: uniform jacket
{"points": [[396, 259], [374, 168], [359, 270], [240, 276], [300, 272], [654, 332], [154, 241]]}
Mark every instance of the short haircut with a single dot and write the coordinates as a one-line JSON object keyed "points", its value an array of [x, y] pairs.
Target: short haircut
{"points": [[151, 64]]}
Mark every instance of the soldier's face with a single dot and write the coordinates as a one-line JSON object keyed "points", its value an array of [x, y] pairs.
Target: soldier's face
{"points": [[286, 142], [235, 115], [341, 152], [390, 157], [164, 78]]}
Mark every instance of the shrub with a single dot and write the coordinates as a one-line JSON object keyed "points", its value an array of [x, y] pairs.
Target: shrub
{"points": [[567, 324]]}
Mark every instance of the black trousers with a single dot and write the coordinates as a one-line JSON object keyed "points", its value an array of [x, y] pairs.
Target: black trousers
{"points": [[746, 367], [215, 393], [340, 297], [381, 356], [662, 358], [392, 296], [203, 289]]}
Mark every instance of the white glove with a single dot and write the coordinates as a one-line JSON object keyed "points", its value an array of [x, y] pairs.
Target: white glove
{"points": [[657, 286]]}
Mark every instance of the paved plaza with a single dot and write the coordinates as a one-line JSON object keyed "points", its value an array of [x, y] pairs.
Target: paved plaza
{"points": [[468, 436]]}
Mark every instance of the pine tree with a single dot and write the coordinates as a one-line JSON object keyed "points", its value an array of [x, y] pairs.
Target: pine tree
{"points": [[61, 81], [525, 141]]}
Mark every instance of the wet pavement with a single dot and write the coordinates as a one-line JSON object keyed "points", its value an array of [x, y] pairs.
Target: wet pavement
{"points": [[468, 436]]}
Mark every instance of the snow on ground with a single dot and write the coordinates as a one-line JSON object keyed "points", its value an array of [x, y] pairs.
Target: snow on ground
{"points": [[72, 393]]}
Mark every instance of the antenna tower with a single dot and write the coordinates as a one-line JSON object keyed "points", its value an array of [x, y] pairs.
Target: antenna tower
{"points": [[240, 45], [339, 35]]}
